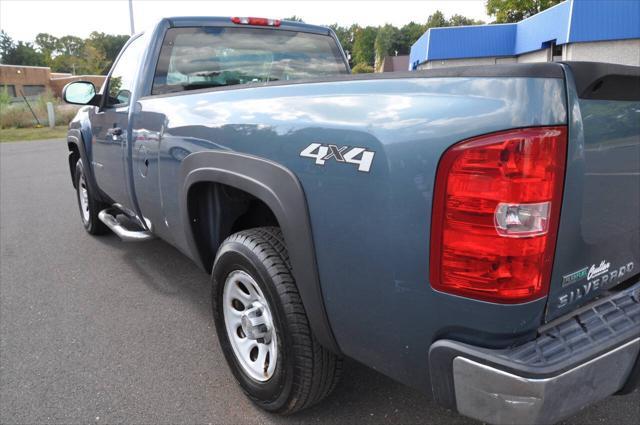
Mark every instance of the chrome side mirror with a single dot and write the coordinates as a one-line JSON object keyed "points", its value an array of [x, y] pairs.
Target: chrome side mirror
{"points": [[80, 93]]}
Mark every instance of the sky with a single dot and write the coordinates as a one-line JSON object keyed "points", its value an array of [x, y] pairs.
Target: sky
{"points": [[23, 19]]}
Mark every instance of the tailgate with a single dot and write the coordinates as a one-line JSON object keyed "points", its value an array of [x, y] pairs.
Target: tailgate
{"points": [[598, 245]]}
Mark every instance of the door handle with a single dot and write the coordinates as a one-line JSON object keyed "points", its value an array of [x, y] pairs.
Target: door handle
{"points": [[115, 131]]}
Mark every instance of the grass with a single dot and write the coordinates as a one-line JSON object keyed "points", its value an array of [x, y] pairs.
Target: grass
{"points": [[26, 134], [17, 114]]}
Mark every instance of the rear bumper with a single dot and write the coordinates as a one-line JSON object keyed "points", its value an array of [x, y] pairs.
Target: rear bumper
{"points": [[581, 360]]}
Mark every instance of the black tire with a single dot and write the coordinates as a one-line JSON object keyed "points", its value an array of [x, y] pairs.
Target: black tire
{"points": [[91, 223], [305, 372]]}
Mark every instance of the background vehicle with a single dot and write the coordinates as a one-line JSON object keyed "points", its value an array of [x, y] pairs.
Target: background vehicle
{"points": [[454, 229]]}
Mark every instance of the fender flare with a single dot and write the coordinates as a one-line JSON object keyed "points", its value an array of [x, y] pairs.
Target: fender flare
{"points": [[281, 191], [75, 137]]}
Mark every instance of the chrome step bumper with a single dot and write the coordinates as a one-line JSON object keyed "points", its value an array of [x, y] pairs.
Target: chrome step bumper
{"points": [[499, 397], [574, 363]]}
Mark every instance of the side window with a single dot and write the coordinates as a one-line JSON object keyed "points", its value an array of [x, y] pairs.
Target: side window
{"points": [[9, 89], [33, 90], [122, 79]]}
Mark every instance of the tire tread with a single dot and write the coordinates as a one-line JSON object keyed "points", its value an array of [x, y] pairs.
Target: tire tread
{"points": [[95, 226], [316, 370]]}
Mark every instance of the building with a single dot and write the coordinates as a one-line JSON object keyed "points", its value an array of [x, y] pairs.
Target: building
{"points": [[394, 63], [574, 30], [36, 80]]}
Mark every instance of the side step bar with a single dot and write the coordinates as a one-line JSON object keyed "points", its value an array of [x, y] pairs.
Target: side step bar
{"points": [[111, 221]]}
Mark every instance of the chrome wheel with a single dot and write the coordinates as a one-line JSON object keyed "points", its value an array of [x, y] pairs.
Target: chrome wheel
{"points": [[83, 197], [249, 326]]}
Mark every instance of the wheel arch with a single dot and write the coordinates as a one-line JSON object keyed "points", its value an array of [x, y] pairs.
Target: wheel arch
{"points": [[277, 188], [78, 150]]}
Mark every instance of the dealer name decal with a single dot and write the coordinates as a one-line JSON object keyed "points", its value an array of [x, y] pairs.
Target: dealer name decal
{"points": [[599, 276]]}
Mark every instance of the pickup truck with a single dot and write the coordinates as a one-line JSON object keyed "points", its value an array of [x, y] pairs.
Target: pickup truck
{"points": [[473, 232]]}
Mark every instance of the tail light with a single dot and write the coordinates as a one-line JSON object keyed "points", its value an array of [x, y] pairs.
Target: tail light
{"points": [[263, 22], [495, 215]]}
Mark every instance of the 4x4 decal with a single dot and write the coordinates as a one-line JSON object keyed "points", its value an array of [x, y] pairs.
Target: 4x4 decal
{"points": [[347, 154]]}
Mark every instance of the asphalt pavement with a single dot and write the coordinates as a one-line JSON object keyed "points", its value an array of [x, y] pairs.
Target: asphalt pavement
{"points": [[96, 330]]}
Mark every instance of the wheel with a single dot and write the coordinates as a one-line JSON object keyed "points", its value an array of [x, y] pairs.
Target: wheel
{"points": [[262, 326], [89, 206]]}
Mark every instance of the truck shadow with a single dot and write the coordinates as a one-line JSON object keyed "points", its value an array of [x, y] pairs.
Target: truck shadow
{"points": [[363, 395], [164, 269]]}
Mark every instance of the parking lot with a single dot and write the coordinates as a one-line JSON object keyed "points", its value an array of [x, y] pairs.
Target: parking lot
{"points": [[96, 330]]}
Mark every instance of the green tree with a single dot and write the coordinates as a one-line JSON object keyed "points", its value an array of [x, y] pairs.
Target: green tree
{"points": [[387, 43], [109, 45], [26, 54], [47, 42], [516, 10], [459, 20], [67, 63], [48, 45], [409, 34], [6, 46], [363, 45], [436, 20], [93, 55], [346, 36], [93, 60], [362, 68], [19, 53], [71, 45]]}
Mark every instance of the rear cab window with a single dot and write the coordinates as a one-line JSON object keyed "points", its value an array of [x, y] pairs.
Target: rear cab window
{"points": [[205, 57]]}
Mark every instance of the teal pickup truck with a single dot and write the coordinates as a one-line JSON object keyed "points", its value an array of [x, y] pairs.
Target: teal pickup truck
{"points": [[473, 232]]}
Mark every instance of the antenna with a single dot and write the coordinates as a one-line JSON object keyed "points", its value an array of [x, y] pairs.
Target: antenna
{"points": [[131, 17]]}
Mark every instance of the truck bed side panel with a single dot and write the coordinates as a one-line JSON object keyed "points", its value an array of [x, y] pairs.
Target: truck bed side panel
{"points": [[371, 229]]}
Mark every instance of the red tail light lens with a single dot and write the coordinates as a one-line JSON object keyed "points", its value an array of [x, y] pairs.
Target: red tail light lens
{"points": [[495, 215], [264, 22]]}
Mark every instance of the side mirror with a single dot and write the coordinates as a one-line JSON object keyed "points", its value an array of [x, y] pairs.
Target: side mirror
{"points": [[80, 93]]}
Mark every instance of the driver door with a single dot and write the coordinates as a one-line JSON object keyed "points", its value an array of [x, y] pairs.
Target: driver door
{"points": [[110, 126]]}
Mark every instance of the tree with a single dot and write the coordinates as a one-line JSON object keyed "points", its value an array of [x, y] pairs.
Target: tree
{"points": [[93, 55], [409, 34], [19, 53], [6, 46], [48, 45], [387, 43], [109, 45], [363, 45], [517, 10], [459, 20], [346, 36], [93, 60], [436, 20], [71, 45], [362, 68], [26, 54], [67, 63]]}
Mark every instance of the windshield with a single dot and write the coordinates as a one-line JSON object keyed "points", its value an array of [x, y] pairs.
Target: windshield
{"points": [[193, 58]]}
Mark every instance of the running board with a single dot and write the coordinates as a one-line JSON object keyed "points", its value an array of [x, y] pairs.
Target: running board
{"points": [[112, 222]]}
